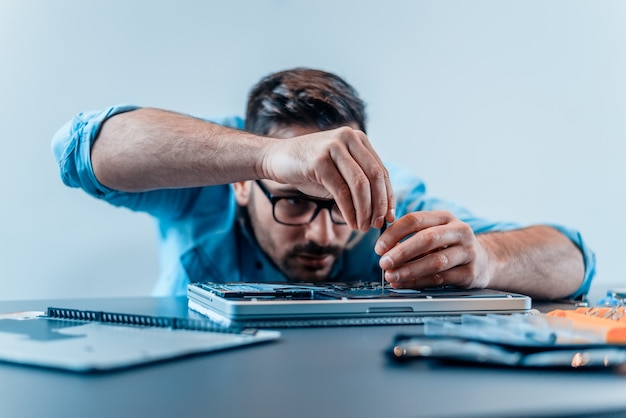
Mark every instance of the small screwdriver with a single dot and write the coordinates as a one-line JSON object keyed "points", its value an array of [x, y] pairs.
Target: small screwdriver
{"points": [[382, 276]]}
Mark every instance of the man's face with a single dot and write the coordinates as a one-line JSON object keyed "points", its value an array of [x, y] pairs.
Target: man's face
{"points": [[305, 252]]}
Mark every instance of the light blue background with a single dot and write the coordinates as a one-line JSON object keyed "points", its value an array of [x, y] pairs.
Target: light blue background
{"points": [[517, 109]]}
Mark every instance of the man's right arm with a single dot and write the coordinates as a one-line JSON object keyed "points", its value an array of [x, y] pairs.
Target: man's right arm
{"points": [[148, 149]]}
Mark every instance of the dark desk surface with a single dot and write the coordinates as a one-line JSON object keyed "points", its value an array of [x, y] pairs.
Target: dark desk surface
{"points": [[315, 372]]}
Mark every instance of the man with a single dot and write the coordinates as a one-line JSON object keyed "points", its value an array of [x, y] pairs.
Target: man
{"points": [[300, 195]]}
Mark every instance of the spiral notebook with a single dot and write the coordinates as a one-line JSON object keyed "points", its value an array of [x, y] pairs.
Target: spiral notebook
{"points": [[94, 341]]}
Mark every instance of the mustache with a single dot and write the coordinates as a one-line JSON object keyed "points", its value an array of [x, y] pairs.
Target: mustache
{"points": [[314, 249]]}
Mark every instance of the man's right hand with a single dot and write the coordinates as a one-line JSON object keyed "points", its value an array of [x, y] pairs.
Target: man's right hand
{"points": [[339, 164]]}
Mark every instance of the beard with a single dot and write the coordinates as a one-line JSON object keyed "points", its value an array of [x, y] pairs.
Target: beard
{"points": [[310, 262]]}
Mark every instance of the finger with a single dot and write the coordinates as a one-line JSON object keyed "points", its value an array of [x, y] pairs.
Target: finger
{"points": [[359, 192], [450, 266], [417, 221], [460, 276], [433, 263], [383, 198], [421, 232], [435, 280], [358, 183], [335, 183], [390, 215]]}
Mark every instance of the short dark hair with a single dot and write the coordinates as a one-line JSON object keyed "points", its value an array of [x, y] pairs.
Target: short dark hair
{"points": [[303, 96]]}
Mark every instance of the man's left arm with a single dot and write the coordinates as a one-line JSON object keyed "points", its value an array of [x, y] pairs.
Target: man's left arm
{"points": [[435, 248], [538, 261]]}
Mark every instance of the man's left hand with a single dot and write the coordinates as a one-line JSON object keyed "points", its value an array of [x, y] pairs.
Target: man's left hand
{"points": [[431, 249]]}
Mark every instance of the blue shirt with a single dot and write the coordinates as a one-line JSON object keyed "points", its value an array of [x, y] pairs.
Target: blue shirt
{"points": [[202, 238]]}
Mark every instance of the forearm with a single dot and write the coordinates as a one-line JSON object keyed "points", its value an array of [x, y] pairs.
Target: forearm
{"points": [[150, 149], [538, 261], [147, 149]]}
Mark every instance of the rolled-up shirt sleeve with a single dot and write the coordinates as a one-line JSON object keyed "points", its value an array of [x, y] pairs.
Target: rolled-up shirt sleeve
{"points": [[71, 146], [589, 259]]}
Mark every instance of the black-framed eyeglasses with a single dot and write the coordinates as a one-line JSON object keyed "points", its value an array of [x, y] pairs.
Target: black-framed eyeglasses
{"points": [[299, 210]]}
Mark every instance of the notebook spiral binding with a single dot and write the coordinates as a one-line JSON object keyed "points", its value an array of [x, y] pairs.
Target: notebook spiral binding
{"points": [[189, 324]]}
